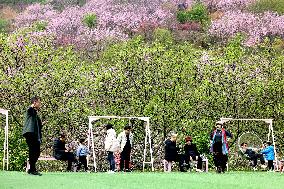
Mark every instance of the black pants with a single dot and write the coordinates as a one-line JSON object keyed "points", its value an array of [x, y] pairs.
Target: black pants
{"points": [[220, 160], [82, 161], [111, 161], [34, 150], [184, 162], [66, 156], [125, 158], [254, 158], [270, 165]]}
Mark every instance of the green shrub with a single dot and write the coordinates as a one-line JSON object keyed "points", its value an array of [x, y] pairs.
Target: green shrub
{"points": [[3, 25], [40, 25], [90, 20], [261, 6], [198, 13]]}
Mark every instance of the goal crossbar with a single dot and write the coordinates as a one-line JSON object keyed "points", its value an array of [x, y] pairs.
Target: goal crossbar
{"points": [[270, 129], [148, 141]]}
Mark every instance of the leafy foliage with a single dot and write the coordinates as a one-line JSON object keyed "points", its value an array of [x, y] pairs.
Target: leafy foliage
{"points": [[90, 20], [198, 13], [261, 6]]}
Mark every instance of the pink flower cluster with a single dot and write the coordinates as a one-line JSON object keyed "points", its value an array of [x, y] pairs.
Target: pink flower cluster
{"points": [[256, 27], [226, 5], [114, 20]]}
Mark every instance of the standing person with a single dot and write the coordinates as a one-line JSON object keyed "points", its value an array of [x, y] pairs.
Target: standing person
{"points": [[111, 146], [81, 154], [268, 151], [171, 152], [32, 133], [61, 153], [190, 153], [219, 147], [252, 155], [125, 139]]}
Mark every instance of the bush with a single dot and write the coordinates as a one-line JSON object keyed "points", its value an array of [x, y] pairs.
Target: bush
{"points": [[198, 13], [90, 20], [3, 25], [262, 6], [40, 26]]}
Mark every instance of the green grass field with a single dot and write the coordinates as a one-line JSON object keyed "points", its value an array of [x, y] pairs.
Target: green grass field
{"points": [[58, 180]]}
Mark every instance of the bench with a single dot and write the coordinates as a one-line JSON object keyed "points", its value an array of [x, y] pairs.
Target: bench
{"points": [[47, 158]]}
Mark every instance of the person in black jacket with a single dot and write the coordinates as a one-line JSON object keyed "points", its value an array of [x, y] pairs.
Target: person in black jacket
{"points": [[190, 153], [171, 152], [32, 133], [61, 153], [251, 154]]}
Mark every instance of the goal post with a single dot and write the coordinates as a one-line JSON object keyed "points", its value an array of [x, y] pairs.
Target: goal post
{"points": [[270, 130], [147, 139], [6, 141]]}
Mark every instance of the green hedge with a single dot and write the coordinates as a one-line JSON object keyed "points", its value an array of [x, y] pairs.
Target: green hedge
{"points": [[181, 87]]}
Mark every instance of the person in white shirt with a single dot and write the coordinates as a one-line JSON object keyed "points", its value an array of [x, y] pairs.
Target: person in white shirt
{"points": [[125, 139], [111, 146]]}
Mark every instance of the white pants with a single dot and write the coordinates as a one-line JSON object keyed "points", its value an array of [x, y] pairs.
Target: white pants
{"points": [[168, 166]]}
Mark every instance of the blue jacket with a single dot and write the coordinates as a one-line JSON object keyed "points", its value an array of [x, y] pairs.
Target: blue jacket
{"points": [[269, 153]]}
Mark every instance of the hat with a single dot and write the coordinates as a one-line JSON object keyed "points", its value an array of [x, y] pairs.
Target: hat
{"points": [[188, 138], [219, 123]]}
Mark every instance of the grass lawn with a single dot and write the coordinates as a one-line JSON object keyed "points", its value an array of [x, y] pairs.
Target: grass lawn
{"points": [[58, 180]]}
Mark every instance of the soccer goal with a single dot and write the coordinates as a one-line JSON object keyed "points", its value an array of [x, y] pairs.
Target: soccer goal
{"points": [[6, 142], [147, 140], [269, 128]]}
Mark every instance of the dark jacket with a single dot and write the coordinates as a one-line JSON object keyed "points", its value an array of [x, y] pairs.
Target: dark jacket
{"points": [[32, 124], [171, 150], [190, 150], [58, 149]]}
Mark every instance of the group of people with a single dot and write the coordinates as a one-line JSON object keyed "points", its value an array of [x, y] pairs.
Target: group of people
{"points": [[184, 159], [123, 143], [32, 132], [253, 154]]}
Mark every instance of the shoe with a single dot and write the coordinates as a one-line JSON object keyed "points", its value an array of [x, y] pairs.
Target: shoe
{"points": [[263, 166], [199, 170], [34, 173], [127, 170], [254, 168]]}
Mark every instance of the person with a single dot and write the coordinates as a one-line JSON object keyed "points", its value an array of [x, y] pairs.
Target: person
{"points": [[252, 155], [190, 153], [219, 147], [268, 152], [125, 140], [111, 146], [81, 155], [171, 152], [61, 153], [32, 133]]}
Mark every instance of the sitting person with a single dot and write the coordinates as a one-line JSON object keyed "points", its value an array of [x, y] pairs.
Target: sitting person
{"points": [[190, 153], [252, 155], [171, 152], [81, 155], [61, 153], [268, 152]]}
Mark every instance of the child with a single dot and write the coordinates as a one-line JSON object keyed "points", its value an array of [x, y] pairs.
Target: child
{"points": [[111, 146], [170, 152], [268, 151], [252, 155], [125, 139], [81, 154]]}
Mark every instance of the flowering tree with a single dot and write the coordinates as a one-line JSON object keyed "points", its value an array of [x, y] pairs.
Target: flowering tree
{"points": [[256, 27], [115, 20]]}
